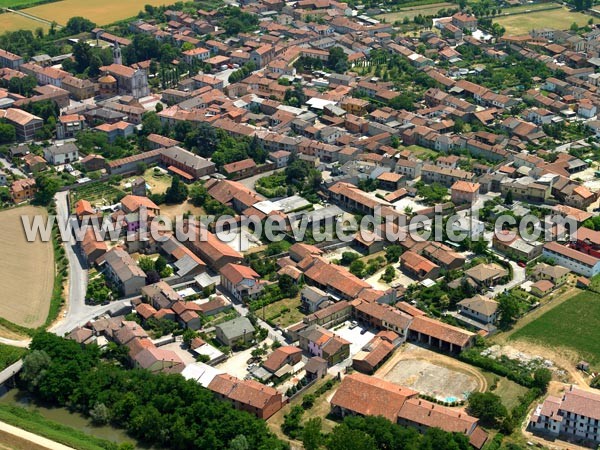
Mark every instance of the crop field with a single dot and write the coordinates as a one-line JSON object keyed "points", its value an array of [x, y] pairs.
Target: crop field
{"points": [[98, 194], [26, 272], [13, 22], [414, 11], [573, 324], [560, 18], [101, 12]]}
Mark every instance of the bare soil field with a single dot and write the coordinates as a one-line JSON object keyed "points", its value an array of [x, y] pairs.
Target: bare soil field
{"points": [[26, 272], [428, 372], [431, 379]]}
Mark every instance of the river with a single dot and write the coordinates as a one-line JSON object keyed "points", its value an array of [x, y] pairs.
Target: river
{"points": [[64, 416]]}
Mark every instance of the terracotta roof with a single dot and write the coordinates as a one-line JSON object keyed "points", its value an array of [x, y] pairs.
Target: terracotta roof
{"points": [[441, 330], [235, 273], [571, 253], [239, 166], [278, 358], [429, 414], [370, 396], [465, 186]]}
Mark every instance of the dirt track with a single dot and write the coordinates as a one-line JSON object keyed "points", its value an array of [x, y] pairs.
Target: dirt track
{"points": [[17, 439]]}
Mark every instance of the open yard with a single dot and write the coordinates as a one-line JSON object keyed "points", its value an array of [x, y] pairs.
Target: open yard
{"points": [[157, 181], [411, 12], [284, 312], [560, 19], [26, 272], [573, 325], [101, 12]]}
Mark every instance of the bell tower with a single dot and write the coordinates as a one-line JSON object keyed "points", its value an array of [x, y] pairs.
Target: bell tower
{"points": [[117, 59]]}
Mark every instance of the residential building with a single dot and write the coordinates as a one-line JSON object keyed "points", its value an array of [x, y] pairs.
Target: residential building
{"points": [[123, 272], [241, 281], [321, 342], [26, 124], [575, 416], [61, 154], [574, 260], [23, 190], [235, 331], [464, 192], [480, 308]]}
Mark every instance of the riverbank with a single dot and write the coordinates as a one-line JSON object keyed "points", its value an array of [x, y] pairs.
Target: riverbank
{"points": [[17, 439], [57, 424]]}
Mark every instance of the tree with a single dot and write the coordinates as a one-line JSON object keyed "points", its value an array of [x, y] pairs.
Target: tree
{"points": [[349, 257], [311, 435], [100, 414], [287, 286], [509, 310], [76, 25], [47, 187], [574, 27], [240, 442], [542, 378], [508, 199], [344, 438], [488, 407], [198, 195], [389, 274], [188, 335], [34, 368], [392, 253], [177, 192], [337, 60], [7, 133], [357, 268]]}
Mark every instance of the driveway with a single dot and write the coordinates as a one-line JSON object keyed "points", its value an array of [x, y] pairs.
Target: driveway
{"points": [[517, 279], [251, 181]]}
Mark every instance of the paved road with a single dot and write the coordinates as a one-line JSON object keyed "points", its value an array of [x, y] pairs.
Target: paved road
{"points": [[518, 278], [77, 313], [6, 165]]}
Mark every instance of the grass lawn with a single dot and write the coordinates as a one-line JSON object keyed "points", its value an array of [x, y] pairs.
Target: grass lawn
{"points": [[509, 391], [411, 12], [573, 324], [560, 19], [294, 315], [10, 355], [421, 152]]}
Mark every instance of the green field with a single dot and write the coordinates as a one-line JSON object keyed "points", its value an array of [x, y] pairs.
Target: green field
{"points": [[560, 19], [10, 355], [573, 324], [411, 12], [20, 3]]}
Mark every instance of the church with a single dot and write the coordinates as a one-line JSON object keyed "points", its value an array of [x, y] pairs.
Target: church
{"points": [[129, 81]]}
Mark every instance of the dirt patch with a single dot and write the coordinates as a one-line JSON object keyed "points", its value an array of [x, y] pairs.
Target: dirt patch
{"points": [[27, 270], [173, 211], [434, 380], [411, 352]]}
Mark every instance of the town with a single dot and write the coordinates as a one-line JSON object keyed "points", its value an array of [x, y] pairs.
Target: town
{"points": [[313, 113]]}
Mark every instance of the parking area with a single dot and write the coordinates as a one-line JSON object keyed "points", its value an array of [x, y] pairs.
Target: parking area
{"points": [[356, 335]]}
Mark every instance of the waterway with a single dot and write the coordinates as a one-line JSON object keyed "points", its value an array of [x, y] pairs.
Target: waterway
{"points": [[63, 416]]}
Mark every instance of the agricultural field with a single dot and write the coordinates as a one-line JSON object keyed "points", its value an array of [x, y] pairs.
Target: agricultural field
{"points": [[560, 18], [98, 194], [13, 22], [27, 271], [100, 12], [573, 325], [18, 3], [414, 11]]}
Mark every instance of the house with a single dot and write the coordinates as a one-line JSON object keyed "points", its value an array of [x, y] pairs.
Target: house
{"points": [[464, 21], [61, 154], [418, 266], [241, 281], [68, 126], [315, 368], [280, 158], [542, 288], [114, 130], [574, 260], [159, 360], [23, 190], [34, 163], [212, 250], [362, 395], [480, 308], [512, 245], [234, 331], [464, 192], [487, 275], [558, 275], [375, 352], [160, 295], [574, 416], [247, 395], [93, 249], [240, 169], [286, 355], [93, 162], [330, 315], [123, 272], [195, 54], [10, 60], [312, 298], [321, 342], [133, 203]]}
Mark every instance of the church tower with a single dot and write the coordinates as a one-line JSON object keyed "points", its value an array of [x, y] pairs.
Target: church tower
{"points": [[117, 59]]}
